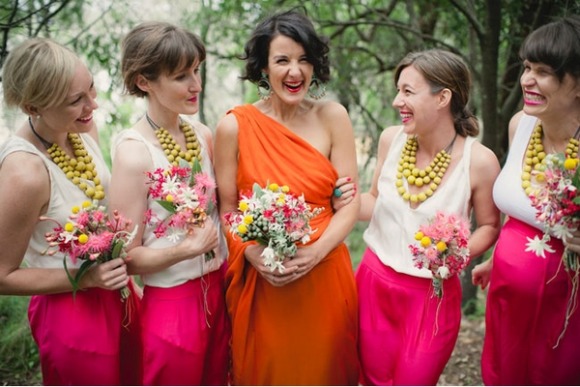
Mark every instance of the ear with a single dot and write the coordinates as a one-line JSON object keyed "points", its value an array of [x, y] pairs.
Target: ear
{"points": [[143, 84], [30, 110], [445, 96]]}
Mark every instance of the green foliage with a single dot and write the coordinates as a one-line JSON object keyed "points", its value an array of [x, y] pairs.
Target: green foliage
{"points": [[19, 364]]}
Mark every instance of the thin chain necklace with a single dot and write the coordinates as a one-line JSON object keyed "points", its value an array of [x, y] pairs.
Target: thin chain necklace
{"points": [[429, 178], [171, 148], [79, 169], [534, 161]]}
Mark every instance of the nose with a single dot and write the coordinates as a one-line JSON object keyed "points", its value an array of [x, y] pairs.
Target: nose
{"points": [[398, 101], [195, 84], [527, 78], [93, 102]]}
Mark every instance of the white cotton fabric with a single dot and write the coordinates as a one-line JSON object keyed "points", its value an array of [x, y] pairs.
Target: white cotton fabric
{"points": [[64, 195], [508, 194], [187, 269], [394, 223]]}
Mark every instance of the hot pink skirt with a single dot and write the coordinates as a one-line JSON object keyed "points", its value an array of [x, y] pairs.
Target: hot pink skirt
{"points": [[407, 334], [186, 333], [525, 314], [78, 340]]}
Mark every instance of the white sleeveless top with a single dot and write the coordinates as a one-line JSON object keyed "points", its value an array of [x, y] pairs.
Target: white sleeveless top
{"points": [[64, 195], [508, 194], [394, 223], [187, 269]]}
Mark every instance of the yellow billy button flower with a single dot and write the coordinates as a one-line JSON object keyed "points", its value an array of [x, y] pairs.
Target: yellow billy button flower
{"points": [[285, 189], [243, 206], [83, 238], [169, 198], [242, 229], [87, 203], [76, 209], [69, 227], [570, 163], [273, 187], [441, 246], [248, 219], [425, 241], [419, 235]]}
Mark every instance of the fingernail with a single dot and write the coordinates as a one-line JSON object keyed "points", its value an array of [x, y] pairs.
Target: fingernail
{"points": [[348, 179]]}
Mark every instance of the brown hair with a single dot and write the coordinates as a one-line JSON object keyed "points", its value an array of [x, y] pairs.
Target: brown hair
{"points": [[155, 48], [445, 70]]}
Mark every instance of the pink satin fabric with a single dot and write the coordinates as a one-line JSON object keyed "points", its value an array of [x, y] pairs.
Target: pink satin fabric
{"points": [[78, 339], [186, 333], [525, 314], [407, 334]]}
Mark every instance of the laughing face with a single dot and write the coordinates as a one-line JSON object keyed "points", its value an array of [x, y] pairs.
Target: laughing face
{"points": [[544, 94], [75, 114], [288, 70]]}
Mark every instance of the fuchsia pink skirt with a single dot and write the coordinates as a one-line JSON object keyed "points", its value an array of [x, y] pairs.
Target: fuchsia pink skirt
{"points": [[186, 333], [78, 340], [407, 334], [525, 314]]}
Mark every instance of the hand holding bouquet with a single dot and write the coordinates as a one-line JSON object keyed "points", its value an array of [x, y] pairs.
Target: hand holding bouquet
{"points": [[557, 205], [187, 193], [442, 248], [90, 235], [275, 218]]}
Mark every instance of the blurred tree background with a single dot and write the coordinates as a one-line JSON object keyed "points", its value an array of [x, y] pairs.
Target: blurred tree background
{"points": [[367, 39]]}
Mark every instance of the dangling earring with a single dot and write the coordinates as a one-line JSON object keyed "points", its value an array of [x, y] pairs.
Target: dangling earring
{"points": [[264, 88], [317, 89]]}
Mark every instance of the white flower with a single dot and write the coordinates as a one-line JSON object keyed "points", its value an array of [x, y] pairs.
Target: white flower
{"points": [[270, 260], [443, 272], [539, 246], [174, 234]]}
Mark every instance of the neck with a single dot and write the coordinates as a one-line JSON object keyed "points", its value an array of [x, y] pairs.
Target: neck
{"points": [[157, 119], [45, 140], [436, 141]]}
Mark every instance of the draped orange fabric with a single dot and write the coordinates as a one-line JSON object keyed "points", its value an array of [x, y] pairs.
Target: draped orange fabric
{"points": [[304, 333]]}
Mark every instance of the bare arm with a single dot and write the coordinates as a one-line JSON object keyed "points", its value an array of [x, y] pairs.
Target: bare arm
{"points": [[128, 195], [24, 196]]}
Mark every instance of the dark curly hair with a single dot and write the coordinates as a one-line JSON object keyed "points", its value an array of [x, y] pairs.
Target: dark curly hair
{"points": [[294, 25]]}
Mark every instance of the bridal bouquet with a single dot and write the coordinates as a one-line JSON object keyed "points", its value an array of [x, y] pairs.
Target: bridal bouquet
{"points": [[442, 248], [557, 205], [187, 193], [275, 218], [91, 236]]}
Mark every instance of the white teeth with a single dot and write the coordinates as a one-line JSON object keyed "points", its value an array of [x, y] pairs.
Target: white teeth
{"points": [[534, 97]]}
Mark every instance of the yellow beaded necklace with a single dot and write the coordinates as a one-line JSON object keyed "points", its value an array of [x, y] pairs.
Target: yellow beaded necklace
{"points": [[172, 149], [534, 163], [430, 177], [79, 169]]}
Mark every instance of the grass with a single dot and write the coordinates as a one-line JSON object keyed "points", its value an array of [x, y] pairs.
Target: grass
{"points": [[19, 364]]}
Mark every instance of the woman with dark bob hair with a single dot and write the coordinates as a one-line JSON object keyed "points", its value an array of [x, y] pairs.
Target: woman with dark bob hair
{"points": [[531, 338], [297, 325]]}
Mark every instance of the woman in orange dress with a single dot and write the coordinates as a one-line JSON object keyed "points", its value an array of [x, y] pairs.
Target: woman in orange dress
{"points": [[298, 327]]}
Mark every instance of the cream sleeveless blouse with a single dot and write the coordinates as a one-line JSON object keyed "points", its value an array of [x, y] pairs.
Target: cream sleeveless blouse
{"points": [[394, 223], [64, 195], [508, 194], [187, 269]]}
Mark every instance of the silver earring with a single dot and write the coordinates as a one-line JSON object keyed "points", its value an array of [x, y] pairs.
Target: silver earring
{"points": [[317, 89], [264, 88]]}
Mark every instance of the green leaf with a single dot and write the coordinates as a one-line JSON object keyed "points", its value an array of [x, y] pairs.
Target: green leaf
{"points": [[117, 248], [167, 205]]}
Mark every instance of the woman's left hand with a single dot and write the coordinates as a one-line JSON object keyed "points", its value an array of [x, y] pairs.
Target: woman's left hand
{"points": [[344, 192]]}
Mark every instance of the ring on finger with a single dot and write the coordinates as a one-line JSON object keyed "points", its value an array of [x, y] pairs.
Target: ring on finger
{"points": [[337, 192]]}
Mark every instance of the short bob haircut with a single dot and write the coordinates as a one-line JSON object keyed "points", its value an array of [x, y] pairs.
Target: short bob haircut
{"points": [[557, 45], [445, 70], [38, 73], [297, 27], [155, 48]]}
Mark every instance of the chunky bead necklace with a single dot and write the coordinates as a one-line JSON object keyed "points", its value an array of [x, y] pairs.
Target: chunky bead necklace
{"points": [[429, 178], [79, 169], [171, 148], [534, 161]]}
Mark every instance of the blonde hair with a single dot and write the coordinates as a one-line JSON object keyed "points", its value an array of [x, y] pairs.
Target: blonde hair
{"points": [[38, 73]]}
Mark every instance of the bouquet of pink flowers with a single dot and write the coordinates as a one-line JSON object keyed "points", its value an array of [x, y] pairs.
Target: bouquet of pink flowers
{"points": [[275, 218], [187, 193], [557, 205], [90, 235], [442, 248]]}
